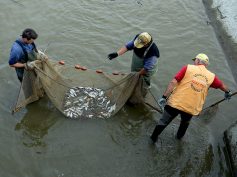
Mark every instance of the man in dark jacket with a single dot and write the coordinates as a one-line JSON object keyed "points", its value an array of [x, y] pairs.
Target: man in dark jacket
{"points": [[145, 55], [22, 51]]}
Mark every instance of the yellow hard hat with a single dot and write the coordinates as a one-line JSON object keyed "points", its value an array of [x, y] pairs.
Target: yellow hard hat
{"points": [[203, 57], [142, 40]]}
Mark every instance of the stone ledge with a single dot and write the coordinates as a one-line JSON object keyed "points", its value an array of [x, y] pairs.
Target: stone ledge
{"points": [[230, 139]]}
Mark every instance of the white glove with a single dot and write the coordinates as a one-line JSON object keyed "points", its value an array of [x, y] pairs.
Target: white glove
{"points": [[29, 65], [162, 102], [42, 56]]}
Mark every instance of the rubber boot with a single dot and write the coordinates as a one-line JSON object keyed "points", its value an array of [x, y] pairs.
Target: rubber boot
{"points": [[157, 131], [182, 129]]}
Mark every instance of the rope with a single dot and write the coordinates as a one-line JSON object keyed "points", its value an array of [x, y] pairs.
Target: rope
{"points": [[51, 77], [18, 95], [119, 83], [153, 107], [153, 97]]}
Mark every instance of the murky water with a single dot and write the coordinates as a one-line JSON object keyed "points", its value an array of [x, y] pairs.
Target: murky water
{"points": [[40, 141]]}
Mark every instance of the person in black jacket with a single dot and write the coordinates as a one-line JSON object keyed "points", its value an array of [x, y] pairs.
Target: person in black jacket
{"points": [[145, 55]]}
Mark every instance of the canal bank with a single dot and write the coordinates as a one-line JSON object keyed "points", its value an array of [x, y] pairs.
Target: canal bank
{"points": [[222, 16], [224, 31]]}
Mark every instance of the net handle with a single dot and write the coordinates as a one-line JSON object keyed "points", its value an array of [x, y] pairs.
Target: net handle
{"points": [[216, 103]]}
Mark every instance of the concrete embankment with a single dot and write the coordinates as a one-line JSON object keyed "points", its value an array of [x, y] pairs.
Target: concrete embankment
{"points": [[218, 19], [230, 138], [226, 39]]}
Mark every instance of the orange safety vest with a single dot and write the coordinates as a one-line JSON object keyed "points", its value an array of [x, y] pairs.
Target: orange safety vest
{"points": [[190, 93]]}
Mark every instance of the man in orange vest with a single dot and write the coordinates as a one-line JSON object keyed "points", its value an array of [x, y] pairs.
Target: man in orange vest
{"points": [[186, 93]]}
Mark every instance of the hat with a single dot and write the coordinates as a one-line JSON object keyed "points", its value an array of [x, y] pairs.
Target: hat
{"points": [[142, 40], [203, 57]]}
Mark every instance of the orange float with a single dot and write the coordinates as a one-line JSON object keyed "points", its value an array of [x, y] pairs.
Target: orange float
{"points": [[78, 66], [83, 68], [115, 73], [99, 71], [61, 62]]}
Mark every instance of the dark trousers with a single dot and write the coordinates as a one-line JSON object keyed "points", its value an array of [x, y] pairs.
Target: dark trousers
{"points": [[169, 114]]}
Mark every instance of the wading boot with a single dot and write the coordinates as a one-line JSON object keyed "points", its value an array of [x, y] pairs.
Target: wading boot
{"points": [[157, 131]]}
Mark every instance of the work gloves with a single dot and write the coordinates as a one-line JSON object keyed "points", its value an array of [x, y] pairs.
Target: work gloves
{"points": [[29, 65], [227, 95], [112, 55], [162, 102], [42, 56]]}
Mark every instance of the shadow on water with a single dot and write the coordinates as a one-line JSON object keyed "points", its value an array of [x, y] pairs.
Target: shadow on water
{"points": [[36, 123]]}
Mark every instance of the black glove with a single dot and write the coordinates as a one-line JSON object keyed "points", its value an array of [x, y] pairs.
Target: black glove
{"points": [[112, 55], [227, 95]]}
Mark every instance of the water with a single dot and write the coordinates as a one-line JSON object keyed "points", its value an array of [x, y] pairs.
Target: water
{"points": [[40, 141]]}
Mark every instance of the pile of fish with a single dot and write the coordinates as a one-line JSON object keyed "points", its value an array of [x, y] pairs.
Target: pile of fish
{"points": [[87, 102]]}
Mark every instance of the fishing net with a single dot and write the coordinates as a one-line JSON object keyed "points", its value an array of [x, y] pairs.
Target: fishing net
{"points": [[78, 92]]}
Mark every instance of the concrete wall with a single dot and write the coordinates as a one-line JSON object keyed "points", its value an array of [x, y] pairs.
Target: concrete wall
{"points": [[225, 27], [223, 17], [227, 10]]}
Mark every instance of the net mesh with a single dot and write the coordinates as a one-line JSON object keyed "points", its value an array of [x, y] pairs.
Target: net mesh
{"points": [[80, 93]]}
